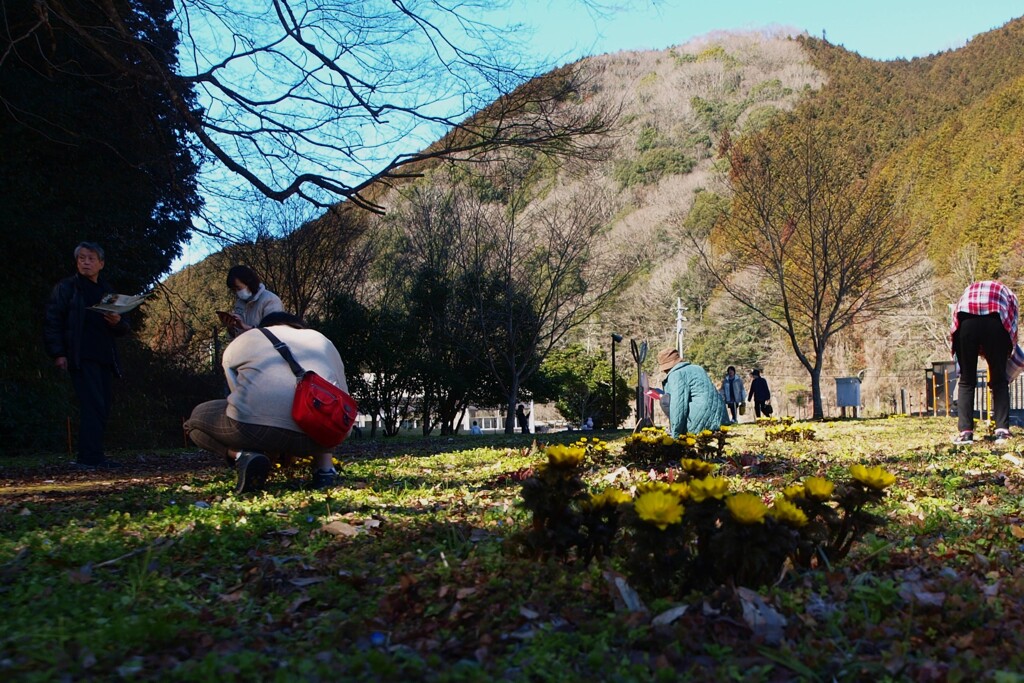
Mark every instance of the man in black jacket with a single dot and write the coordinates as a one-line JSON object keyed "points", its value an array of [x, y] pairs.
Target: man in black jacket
{"points": [[81, 342]]}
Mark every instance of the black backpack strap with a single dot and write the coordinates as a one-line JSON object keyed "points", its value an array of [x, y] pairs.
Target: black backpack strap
{"points": [[283, 349]]}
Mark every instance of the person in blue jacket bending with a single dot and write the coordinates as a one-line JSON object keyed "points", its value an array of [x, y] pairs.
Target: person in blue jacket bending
{"points": [[694, 401]]}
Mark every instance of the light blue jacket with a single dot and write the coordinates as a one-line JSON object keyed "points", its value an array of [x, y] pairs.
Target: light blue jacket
{"points": [[695, 404]]}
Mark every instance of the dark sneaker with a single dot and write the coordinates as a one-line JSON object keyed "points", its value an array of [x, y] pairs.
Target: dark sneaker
{"points": [[1002, 436], [325, 479], [965, 438], [253, 470]]}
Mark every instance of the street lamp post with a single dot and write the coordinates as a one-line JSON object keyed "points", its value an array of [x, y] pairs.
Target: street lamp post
{"points": [[615, 338]]}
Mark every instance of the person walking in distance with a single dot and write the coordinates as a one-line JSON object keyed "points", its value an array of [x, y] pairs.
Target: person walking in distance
{"points": [[732, 391], [760, 394]]}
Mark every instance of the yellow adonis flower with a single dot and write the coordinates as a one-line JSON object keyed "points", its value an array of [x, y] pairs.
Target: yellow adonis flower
{"points": [[706, 432], [648, 486], [680, 488], [818, 488], [564, 456], [746, 508], [794, 491], [697, 468], [787, 513], [690, 441], [610, 497], [872, 477], [709, 487], [659, 508], [667, 440]]}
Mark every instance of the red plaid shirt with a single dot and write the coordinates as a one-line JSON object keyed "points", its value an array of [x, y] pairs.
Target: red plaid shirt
{"points": [[991, 296]]}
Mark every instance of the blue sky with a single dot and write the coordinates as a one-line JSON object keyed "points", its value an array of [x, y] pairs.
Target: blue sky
{"points": [[878, 29]]}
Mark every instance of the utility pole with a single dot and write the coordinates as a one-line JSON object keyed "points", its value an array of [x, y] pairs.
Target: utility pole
{"points": [[679, 325]]}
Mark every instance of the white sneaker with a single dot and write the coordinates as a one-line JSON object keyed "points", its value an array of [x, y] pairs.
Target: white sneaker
{"points": [[1002, 436]]}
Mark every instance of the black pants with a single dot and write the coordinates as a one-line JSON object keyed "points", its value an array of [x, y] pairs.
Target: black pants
{"points": [[979, 333], [92, 383], [759, 408], [732, 410]]}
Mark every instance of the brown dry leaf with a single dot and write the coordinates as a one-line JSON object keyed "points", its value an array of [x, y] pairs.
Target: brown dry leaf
{"points": [[464, 593], [234, 596], [443, 591], [340, 529], [1016, 531]]}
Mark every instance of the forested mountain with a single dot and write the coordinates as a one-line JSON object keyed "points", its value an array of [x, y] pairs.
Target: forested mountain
{"points": [[946, 130]]}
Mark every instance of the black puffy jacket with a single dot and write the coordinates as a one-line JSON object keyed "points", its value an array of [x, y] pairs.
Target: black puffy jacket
{"points": [[65, 318]]}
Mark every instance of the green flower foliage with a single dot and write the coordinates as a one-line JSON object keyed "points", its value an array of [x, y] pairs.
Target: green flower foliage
{"points": [[690, 531]]}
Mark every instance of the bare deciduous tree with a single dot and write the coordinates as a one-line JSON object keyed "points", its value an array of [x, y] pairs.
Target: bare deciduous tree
{"points": [[827, 242], [538, 272], [311, 98]]}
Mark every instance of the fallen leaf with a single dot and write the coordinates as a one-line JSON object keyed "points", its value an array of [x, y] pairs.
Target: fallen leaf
{"points": [[669, 615], [464, 593], [1016, 531], [341, 529], [762, 618], [302, 582], [623, 595], [528, 613]]}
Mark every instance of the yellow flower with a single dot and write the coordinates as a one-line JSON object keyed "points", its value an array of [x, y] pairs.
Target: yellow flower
{"points": [[706, 432], [648, 486], [659, 508], [746, 508], [697, 468], [872, 477], [667, 440], [818, 488], [710, 487], [787, 513], [680, 488], [610, 497], [794, 491], [690, 441], [564, 456]]}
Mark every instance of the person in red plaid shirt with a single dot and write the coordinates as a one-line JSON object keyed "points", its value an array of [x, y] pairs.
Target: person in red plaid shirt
{"points": [[985, 323]]}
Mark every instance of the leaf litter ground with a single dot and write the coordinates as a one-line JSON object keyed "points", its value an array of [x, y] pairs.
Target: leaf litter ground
{"points": [[407, 571]]}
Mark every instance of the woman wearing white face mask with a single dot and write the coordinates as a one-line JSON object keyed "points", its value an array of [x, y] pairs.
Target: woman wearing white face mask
{"points": [[254, 300]]}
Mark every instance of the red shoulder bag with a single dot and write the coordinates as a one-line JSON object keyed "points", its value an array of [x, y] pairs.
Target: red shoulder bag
{"points": [[323, 411]]}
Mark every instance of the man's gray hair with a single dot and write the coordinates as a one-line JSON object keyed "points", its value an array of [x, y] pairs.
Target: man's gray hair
{"points": [[91, 246]]}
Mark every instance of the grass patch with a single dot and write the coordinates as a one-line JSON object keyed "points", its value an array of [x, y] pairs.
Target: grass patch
{"points": [[158, 572]]}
